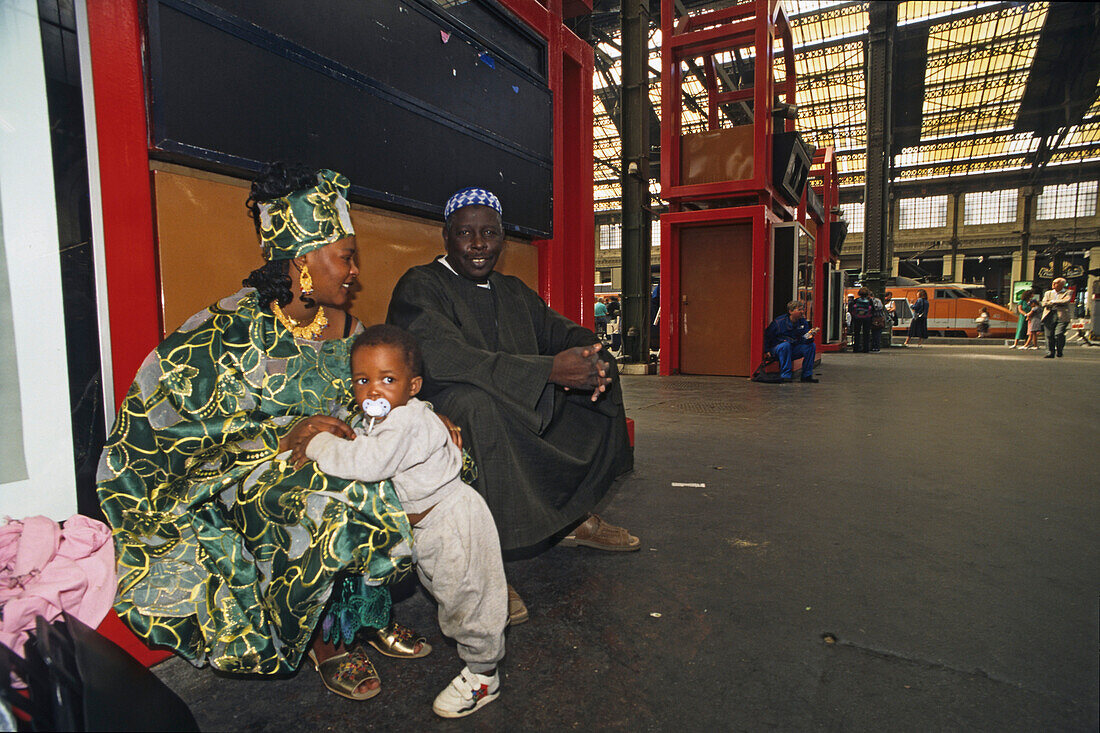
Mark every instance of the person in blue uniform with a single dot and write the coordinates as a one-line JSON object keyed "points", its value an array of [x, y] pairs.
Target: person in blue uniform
{"points": [[790, 337]]}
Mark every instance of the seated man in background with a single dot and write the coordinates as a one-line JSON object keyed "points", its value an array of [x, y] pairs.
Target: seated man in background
{"points": [[790, 337], [541, 410]]}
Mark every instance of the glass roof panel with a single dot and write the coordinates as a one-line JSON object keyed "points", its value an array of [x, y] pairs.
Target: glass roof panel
{"points": [[979, 56]]}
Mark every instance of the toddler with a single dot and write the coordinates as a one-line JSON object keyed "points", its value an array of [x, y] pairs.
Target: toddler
{"points": [[455, 543]]}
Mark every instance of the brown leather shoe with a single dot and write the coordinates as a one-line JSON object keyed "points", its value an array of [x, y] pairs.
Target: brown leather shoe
{"points": [[517, 609], [594, 532]]}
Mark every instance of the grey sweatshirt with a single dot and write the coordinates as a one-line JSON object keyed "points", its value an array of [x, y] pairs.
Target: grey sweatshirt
{"points": [[411, 446]]}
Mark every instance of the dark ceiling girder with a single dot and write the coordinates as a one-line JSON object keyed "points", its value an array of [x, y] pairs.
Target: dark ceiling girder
{"points": [[907, 91], [1064, 73], [994, 181], [978, 164]]}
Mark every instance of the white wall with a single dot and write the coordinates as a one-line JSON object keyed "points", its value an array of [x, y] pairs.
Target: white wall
{"points": [[29, 238]]}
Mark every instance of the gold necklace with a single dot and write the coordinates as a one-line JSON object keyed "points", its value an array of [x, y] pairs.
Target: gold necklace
{"points": [[310, 331]]}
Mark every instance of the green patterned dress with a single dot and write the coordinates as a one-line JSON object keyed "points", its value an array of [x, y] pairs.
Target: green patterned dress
{"points": [[226, 553]]}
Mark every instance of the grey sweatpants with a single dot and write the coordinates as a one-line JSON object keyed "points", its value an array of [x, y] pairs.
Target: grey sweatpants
{"points": [[457, 554]]}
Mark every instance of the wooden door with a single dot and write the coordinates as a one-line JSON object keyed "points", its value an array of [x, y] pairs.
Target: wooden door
{"points": [[715, 300]]}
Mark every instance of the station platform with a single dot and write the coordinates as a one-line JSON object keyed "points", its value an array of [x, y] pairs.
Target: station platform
{"points": [[911, 544]]}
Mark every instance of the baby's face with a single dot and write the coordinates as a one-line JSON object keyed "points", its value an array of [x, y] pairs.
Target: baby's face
{"points": [[381, 371]]}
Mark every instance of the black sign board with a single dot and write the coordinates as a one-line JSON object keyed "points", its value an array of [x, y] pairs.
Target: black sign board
{"points": [[410, 99]]}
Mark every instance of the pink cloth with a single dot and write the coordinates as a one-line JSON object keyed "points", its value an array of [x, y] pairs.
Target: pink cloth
{"points": [[46, 569]]}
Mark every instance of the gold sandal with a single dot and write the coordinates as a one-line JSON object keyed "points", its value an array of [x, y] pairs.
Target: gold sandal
{"points": [[343, 673], [398, 641]]}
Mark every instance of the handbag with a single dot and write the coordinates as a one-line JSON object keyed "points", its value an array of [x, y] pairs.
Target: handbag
{"points": [[79, 680]]}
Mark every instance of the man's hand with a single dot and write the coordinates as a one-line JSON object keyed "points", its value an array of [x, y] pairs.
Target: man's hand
{"points": [[299, 436], [578, 368]]}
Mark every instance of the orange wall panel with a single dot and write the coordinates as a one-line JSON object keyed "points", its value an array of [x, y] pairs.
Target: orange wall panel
{"points": [[206, 245], [717, 155]]}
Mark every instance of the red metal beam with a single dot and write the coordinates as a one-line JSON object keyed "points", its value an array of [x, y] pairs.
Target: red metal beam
{"points": [[721, 16], [686, 44], [567, 262], [116, 38]]}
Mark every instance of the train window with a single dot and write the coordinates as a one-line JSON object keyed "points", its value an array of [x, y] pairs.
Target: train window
{"points": [[946, 293], [902, 309]]}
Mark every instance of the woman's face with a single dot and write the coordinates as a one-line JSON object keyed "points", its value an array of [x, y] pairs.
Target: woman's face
{"points": [[334, 272]]}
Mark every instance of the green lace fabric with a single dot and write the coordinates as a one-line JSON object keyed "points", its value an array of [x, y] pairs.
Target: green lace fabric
{"points": [[224, 552], [355, 606]]}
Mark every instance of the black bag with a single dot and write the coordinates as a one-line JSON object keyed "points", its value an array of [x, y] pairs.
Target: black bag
{"points": [[878, 316], [760, 375], [79, 680]]}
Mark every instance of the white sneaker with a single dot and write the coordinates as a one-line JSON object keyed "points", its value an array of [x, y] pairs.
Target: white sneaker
{"points": [[466, 693], [1012, 347]]}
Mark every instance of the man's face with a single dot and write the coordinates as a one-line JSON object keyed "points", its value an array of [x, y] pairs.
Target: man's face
{"points": [[1058, 285], [474, 240], [797, 314]]}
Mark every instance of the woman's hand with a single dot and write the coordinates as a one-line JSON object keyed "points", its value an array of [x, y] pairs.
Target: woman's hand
{"points": [[454, 430], [299, 436]]}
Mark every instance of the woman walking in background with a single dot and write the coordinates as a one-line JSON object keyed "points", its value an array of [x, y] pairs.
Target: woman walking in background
{"points": [[918, 327], [1034, 316], [1022, 306]]}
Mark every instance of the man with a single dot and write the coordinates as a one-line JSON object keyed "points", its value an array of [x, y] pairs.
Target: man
{"points": [[600, 314], [1057, 309], [533, 393], [789, 337]]}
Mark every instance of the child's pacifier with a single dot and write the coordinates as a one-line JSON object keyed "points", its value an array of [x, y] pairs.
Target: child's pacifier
{"points": [[376, 408]]}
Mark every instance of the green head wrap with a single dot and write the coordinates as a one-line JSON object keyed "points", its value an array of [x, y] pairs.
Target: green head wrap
{"points": [[306, 220]]}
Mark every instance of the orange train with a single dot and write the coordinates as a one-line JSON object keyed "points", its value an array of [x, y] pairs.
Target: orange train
{"points": [[951, 310]]}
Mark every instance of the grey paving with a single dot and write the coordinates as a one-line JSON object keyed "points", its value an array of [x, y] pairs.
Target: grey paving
{"points": [[909, 545]]}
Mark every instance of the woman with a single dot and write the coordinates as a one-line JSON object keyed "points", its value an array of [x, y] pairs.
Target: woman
{"points": [[1021, 319], [1034, 314], [918, 327], [225, 552]]}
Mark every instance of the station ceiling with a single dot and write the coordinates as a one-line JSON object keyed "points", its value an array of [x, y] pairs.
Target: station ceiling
{"points": [[979, 87]]}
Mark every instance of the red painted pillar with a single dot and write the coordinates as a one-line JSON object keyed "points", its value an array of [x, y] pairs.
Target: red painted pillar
{"points": [[116, 40], [567, 262]]}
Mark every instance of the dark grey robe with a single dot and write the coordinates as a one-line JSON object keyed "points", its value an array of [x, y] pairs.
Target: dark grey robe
{"points": [[544, 456]]}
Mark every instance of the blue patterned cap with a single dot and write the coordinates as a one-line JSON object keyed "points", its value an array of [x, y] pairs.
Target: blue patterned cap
{"points": [[471, 197]]}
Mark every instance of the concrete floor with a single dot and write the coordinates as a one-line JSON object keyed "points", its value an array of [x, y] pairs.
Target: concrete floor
{"points": [[934, 511]]}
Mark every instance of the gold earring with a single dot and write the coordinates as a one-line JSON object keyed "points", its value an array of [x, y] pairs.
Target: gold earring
{"points": [[305, 281]]}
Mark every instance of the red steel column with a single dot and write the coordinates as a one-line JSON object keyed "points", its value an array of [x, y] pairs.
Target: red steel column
{"points": [[116, 39], [567, 263]]}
